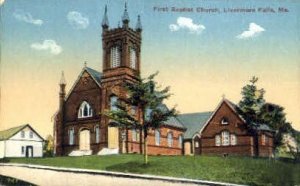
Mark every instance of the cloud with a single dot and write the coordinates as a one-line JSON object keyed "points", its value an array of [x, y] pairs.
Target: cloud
{"points": [[1, 2], [253, 31], [49, 45], [27, 17], [186, 23], [77, 20]]}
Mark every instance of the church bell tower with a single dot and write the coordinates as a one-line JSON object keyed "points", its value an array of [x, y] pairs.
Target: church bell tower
{"points": [[121, 64], [121, 49]]}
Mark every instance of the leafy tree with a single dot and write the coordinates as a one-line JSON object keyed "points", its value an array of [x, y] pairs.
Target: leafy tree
{"points": [[274, 116], [48, 146], [294, 150], [147, 98]]}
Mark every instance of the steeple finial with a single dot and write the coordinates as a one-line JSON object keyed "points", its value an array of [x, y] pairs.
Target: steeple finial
{"points": [[125, 17], [105, 23], [138, 26], [62, 79]]}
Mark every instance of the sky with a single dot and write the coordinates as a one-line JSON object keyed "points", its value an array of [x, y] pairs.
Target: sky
{"points": [[201, 55]]}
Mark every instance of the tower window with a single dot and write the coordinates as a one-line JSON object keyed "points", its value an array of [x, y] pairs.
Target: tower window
{"points": [[133, 58], [115, 57], [113, 103], [85, 110]]}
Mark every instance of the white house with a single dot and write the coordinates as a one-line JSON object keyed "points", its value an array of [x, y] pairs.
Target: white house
{"points": [[21, 141]]}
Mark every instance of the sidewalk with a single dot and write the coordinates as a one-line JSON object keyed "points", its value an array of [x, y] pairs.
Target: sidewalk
{"points": [[55, 176]]}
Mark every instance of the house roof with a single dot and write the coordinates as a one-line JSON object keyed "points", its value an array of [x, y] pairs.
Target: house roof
{"points": [[193, 122], [6, 134]]}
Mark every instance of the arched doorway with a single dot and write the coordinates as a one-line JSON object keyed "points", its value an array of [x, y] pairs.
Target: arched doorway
{"points": [[84, 140]]}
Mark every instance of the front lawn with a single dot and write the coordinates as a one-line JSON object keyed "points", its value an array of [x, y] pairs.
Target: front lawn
{"points": [[243, 170]]}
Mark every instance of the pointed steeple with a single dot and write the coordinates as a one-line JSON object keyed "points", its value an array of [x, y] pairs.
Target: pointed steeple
{"points": [[138, 26], [125, 17], [62, 79], [105, 23]]}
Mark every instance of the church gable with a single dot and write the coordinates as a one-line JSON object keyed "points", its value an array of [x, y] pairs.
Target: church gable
{"points": [[225, 118], [86, 89]]}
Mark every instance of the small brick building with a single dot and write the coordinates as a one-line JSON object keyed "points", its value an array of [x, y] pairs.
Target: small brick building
{"points": [[225, 132]]}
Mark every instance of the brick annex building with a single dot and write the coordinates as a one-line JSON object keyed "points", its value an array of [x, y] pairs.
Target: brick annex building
{"points": [[80, 129]]}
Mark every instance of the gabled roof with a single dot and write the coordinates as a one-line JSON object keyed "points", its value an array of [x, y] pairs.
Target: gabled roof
{"points": [[172, 121], [6, 134], [96, 76], [193, 122]]}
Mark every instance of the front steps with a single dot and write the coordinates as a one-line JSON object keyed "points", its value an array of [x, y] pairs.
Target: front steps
{"points": [[80, 153], [107, 151]]}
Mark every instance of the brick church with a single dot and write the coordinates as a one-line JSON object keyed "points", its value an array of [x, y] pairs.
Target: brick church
{"points": [[80, 129]]}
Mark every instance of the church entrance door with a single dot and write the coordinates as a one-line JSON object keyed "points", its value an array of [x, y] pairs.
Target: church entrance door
{"points": [[84, 139], [113, 137]]}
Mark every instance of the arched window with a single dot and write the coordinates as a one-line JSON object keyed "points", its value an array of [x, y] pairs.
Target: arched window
{"points": [[71, 136], [97, 132], [224, 121], [85, 110], [180, 141], [133, 134], [233, 140], [113, 103], [115, 57], [170, 139], [218, 140], [225, 138], [157, 137], [133, 58]]}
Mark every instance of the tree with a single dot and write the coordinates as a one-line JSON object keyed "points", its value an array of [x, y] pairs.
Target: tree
{"points": [[256, 111], [146, 97], [274, 116], [48, 146], [252, 102], [294, 150]]}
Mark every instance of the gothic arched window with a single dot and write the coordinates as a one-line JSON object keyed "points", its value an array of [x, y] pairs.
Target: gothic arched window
{"points": [[217, 140], [71, 136], [115, 57], [85, 110], [180, 141], [133, 58]]}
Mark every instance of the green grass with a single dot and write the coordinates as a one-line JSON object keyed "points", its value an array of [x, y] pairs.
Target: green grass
{"points": [[243, 170]]}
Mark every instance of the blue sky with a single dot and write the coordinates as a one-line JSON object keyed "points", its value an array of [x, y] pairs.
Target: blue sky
{"points": [[35, 50]]}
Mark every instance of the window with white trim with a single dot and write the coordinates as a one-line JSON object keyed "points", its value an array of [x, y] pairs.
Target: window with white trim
{"points": [[133, 58], [157, 137], [22, 134], [233, 140], [133, 134], [225, 138], [71, 136], [263, 139], [30, 134], [180, 141], [196, 144], [115, 57], [170, 139], [97, 132], [113, 103], [224, 121], [85, 110], [218, 140]]}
